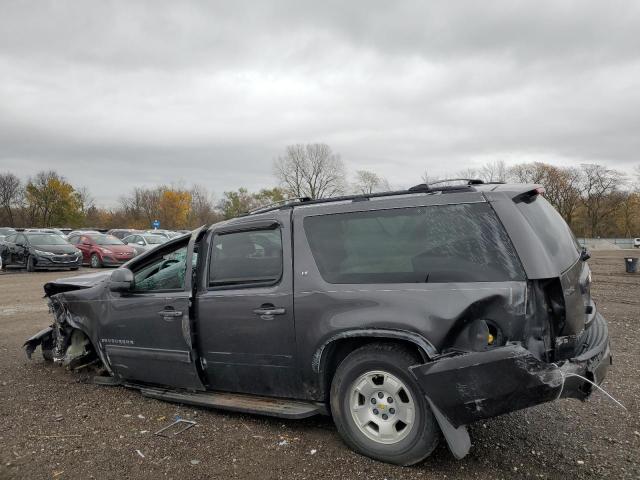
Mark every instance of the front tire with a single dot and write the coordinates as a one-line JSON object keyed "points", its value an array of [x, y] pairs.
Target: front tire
{"points": [[95, 261], [378, 407]]}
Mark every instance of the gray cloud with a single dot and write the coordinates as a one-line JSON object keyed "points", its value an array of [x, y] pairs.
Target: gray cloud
{"points": [[118, 94]]}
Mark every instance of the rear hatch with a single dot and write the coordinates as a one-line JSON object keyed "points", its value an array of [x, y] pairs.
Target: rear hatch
{"points": [[565, 254]]}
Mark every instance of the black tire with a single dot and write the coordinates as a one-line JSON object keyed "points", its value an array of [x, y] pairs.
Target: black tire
{"points": [[31, 267], [74, 268], [424, 435], [95, 261]]}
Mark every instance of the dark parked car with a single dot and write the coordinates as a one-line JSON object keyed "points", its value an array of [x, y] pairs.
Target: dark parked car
{"points": [[100, 250], [404, 315], [38, 251], [53, 231]]}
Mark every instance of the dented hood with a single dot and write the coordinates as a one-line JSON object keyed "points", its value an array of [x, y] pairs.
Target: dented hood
{"points": [[75, 283]]}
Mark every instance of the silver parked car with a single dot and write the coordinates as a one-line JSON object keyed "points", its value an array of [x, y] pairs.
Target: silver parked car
{"points": [[144, 241]]}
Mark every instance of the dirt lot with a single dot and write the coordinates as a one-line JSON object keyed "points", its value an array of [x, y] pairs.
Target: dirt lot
{"points": [[54, 424]]}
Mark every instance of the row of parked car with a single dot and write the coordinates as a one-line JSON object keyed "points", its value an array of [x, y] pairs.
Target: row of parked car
{"points": [[51, 248]]}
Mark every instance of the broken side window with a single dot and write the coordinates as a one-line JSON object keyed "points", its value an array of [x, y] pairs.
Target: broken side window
{"points": [[166, 271]]}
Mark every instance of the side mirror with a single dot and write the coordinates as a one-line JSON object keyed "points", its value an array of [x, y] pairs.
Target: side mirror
{"points": [[121, 280], [141, 243]]}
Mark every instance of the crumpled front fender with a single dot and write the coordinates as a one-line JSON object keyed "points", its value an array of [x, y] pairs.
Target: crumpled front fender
{"points": [[44, 337]]}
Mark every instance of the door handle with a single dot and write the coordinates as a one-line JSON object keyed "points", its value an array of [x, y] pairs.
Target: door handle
{"points": [[169, 313], [269, 310]]}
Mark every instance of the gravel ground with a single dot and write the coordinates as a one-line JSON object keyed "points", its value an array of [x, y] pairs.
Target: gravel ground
{"points": [[55, 424]]}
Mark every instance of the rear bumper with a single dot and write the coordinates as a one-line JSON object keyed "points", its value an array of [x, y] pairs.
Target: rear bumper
{"points": [[478, 385]]}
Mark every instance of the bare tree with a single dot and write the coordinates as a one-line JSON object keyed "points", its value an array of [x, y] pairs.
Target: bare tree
{"points": [[495, 171], [202, 211], [535, 172], [368, 182], [597, 186], [85, 199], [311, 170], [629, 209], [470, 173], [11, 194], [562, 185], [428, 178]]}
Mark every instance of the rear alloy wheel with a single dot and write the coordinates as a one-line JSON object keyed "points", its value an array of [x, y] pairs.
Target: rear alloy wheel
{"points": [[95, 261], [31, 267], [379, 408]]}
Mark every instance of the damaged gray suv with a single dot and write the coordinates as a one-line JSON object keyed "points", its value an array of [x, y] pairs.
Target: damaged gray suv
{"points": [[405, 315]]}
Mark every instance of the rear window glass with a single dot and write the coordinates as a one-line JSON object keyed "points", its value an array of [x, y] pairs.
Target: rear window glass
{"points": [[436, 244], [554, 233]]}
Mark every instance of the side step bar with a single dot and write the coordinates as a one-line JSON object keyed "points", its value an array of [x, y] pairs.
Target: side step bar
{"points": [[275, 407]]}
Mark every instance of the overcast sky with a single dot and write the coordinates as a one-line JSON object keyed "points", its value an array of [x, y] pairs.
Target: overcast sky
{"points": [[118, 94]]}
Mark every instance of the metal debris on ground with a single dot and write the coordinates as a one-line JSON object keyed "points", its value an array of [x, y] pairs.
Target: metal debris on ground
{"points": [[186, 425]]}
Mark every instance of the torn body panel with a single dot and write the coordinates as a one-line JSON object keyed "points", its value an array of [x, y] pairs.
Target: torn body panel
{"points": [[63, 343], [477, 385]]}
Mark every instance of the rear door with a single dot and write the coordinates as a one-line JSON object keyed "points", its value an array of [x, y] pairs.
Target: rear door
{"points": [[563, 250], [245, 308]]}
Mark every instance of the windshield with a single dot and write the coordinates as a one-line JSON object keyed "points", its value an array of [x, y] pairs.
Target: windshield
{"points": [[106, 240], [6, 231], [46, 239], [155, 239]]}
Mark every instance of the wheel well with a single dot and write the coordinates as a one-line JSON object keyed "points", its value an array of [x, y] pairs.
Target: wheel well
{"points": [[79, 350], [338, 350]]}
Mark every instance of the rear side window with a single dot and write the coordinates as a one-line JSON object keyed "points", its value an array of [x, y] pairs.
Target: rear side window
{"points": [[554, 233], [251, 258], [435, 244]]}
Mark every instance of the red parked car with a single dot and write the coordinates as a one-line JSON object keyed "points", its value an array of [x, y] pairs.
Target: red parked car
{"points": [[100, 250]]}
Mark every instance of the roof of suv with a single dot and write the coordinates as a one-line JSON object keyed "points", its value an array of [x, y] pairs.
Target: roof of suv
{"points": [[470, 186]]}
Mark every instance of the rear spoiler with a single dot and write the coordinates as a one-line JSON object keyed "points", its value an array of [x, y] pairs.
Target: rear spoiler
{"points": [[530, 195]]}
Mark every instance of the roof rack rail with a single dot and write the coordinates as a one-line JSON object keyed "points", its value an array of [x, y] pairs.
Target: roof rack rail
{"points": [[470, 181], [279, 204], [300, 201]]}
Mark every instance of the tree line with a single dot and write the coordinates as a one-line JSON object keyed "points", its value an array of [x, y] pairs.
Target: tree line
{"points": [[596, 201]]}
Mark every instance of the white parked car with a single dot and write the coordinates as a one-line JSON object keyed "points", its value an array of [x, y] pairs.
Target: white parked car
{"points": [[141, 242]]}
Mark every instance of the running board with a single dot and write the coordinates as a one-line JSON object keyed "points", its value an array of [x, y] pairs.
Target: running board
{"points": [[235, 402]]}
